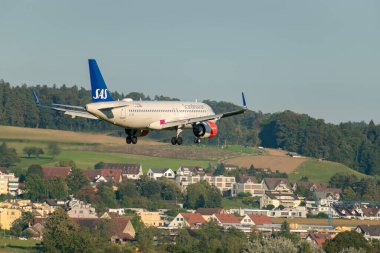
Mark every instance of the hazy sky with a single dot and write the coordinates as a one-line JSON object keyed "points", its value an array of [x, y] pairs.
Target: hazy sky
{"points": [[315, 57]]}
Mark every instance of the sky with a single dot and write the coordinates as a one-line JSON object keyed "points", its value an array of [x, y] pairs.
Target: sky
{"points": [[316, 57]]}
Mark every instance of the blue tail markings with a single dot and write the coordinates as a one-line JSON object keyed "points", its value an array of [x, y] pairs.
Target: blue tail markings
{"points": [[36, 98], [99, 90], [244, 103]]}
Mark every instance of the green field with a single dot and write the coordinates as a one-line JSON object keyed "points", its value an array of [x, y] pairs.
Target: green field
{"points": [[87, 159], [16, 245], [320, 171]]}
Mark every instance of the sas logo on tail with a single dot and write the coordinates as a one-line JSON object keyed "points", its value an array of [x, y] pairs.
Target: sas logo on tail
{"points": [[100, 94]]}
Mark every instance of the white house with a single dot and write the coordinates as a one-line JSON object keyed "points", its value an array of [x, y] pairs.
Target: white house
{"points": [[161, 172]]}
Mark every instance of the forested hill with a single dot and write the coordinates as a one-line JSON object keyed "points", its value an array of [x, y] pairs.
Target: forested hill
{"points": [[354, 144]]}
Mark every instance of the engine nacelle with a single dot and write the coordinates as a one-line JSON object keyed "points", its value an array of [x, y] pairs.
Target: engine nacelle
{"points": [[205, 129]]}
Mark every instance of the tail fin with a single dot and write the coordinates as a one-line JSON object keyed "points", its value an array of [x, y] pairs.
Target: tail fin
{"points": [[99, 90]]}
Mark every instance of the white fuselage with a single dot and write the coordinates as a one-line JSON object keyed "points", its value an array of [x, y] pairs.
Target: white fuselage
{"points": [[147, 114]]}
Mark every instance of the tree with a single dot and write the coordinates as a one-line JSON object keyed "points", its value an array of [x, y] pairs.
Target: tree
{"points": [[8, 156], [35, 187], [22, 223], [272, 245], [53, 149], [57, 188], [33, 151], [220, 170], [344, 240], [58, 232], [35, 169], [202, 195], [76, 181]]}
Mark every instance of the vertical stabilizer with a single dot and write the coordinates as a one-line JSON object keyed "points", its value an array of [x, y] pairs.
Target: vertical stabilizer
{"points": [[99, 90]]}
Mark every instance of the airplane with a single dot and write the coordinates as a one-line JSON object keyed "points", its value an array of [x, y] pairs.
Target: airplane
{"points": [[138, 118]]}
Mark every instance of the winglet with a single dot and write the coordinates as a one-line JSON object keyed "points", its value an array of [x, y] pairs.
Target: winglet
{"points": [[244, 103], [36, 98]]}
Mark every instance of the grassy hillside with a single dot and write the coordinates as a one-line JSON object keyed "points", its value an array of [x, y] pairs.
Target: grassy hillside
{"points": [[320, 171]]}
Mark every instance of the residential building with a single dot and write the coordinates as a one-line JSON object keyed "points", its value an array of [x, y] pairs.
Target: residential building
{"points": [[128, 171], [248, 184], [226, 220], [103, 176], [208, 212], [8, 216], [151, 219], [278, 185], [276, 199], [223, 183], [119, 230], [37, 231], [369, 231], [296, 212], [191, 220], [80, 209], [49, 173], [189, 171], [230, 167], [318, 239], [8, 183], [161, 172], [371, 213], [255, 220], [327, 196]]}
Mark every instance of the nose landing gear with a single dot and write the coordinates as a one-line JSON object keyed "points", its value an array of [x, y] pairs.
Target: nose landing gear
{"points": [[131, 136]]}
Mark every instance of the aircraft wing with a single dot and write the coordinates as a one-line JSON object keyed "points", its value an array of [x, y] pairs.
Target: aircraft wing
{"points": [[183, 122], [73, 111]]}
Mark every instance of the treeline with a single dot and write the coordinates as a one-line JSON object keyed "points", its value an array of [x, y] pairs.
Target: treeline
{"points": [[356, 145]]}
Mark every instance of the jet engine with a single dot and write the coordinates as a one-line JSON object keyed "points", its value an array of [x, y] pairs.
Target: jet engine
{"points": [[205, 129]]}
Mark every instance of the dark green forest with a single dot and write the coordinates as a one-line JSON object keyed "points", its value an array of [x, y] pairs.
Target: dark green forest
{"points": [[356, 144]]}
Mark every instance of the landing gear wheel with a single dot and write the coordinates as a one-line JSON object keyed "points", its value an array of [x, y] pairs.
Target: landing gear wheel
{"points": [[174, 140], [128, 140], [134, 139], [197, 140], [179, 140]]}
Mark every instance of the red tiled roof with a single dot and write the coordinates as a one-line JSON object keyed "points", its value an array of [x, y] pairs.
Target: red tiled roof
{"points": [[117, 227], [193, 218], [209, 211], [320, 238], [260, 219], [114, 174], [227, 218], [53, 172]]}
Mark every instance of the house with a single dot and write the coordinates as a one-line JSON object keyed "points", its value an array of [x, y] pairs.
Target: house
{"points": [[276, 199], [279, 185], [8, 216], [189, 171], [103, 176], [37, 231], [248, 184], [296, 212], [226, 220], [327, 196], [260, 220], [161, 172], [151, 219], [230, 167], [49, 173], [119, 230], [80, 209], [318, 239], [208, 212], [369, 231], [346, 211], [372, 213], [191, 220], [128, 171], [8, 183]]}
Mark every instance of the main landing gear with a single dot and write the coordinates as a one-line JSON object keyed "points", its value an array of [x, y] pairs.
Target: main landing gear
{"points": [[197, 140], [131, 136], [177, 139]]}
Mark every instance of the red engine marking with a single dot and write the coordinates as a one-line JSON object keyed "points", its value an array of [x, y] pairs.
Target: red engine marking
{"points": [[214, 129]]}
